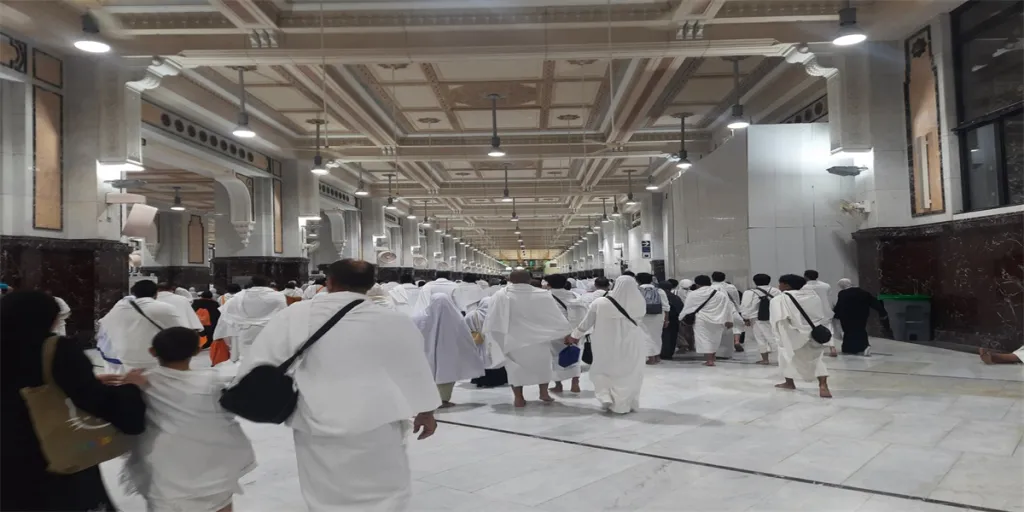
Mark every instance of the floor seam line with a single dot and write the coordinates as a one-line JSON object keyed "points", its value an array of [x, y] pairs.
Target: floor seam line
{"points": [[730, 468]]}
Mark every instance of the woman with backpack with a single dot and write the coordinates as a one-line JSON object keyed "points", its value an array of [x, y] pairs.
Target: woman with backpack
{"points": [[755, 309]]}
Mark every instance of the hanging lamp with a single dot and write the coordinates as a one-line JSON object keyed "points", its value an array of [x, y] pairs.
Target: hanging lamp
{"points": [[89, 41], [683, 158], [318, 161], [242, 129], [515, 216], [426, 218], [604, 209], [615, 210], [629, 192], [736, 121], [849, 33], [650, 184], [506, 197], [177, 206], [496, 150], [391, 199]]}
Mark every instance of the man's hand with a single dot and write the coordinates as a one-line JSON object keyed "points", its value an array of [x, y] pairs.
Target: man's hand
{"points": [[135, 377], [109, 379], [728, 325], [746, 322], [569, 340], [424, 424]]}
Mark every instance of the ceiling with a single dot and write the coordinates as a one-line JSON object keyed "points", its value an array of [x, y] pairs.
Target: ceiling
{"points": [[589, 89]]}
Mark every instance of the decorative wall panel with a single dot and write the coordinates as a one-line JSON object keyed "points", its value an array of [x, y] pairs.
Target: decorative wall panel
{"points": [[973, 270], [48, 174], [47, 68], [278, 221], [921, 104], [196, 240], [13, 53]]}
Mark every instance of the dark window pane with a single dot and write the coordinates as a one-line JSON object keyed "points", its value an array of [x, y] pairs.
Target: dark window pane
{"points": [[976, 13], [1013, 136], [983, 168], [991, 67]]}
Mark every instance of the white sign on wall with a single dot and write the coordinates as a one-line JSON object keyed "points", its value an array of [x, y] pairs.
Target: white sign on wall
{"points": [[645, 249]]}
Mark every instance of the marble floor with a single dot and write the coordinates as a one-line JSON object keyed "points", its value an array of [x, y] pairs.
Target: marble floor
{"points": [[911, 428]]}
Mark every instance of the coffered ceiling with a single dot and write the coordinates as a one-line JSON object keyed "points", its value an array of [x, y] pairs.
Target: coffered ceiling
{"points": [[588, 89]]}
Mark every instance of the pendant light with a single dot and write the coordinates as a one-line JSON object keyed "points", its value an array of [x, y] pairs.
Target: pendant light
{"points": [[361, 189], [650, 184], [683, 162], [391, 199], [412, 212], [177, 206], [426, 218], [438, 229], [506, 197], [736, 121], [615, 210], [242, 129], [629, 192], [604, 210], [496, 150], [89, 41], [518, 231], [515, 216], [318, 161], [849, 33]]}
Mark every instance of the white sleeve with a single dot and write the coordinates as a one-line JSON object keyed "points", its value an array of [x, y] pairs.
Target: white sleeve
{"points": [[665, 306], [588, 321]]}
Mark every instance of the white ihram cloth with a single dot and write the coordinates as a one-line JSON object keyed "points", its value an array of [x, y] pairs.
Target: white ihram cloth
{"points": [[184, 293], [63, 313], [489, 350], [390, 285], [380, 297], [313, 290], [619, 347], [440, 285], [131, 335], [184, 307], [491, 290], [574, 312], [447, 342], [358, 387], [292, 292], [193, 452], [709, 328], [654, 323], [590, 297], [483, 284], [244, 316], [800, 357], [727, 346], [405, 296], [523, 321], [760, 330], [822, 289], [467, 296]]}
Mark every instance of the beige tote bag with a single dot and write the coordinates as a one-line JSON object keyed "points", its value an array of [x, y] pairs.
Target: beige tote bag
{"points": [[70, 439]]}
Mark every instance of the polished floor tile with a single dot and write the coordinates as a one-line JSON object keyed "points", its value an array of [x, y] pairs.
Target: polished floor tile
{"points": [[910, 422]]}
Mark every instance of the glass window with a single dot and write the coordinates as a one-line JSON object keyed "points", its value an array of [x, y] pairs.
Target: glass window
{"points": [[990, 96]]}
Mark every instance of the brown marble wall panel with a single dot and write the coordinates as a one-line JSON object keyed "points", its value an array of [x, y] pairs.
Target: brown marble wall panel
{"points": [[278, 270], [90, 275], [973, 269], [198, 277]]}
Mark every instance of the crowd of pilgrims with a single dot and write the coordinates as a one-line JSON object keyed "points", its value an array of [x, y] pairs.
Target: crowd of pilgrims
{"points": [[379, 374]]}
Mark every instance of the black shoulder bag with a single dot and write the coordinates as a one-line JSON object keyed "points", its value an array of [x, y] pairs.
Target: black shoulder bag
{"points": [[619, 307], [137, 308], [819, 333], [691, 318], [267, 394]]}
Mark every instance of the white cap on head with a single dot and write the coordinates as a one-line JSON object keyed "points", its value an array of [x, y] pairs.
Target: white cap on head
{"points": [[844, 283]]}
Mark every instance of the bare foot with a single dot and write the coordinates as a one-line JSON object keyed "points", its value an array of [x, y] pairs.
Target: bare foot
{"points": [[762, 362], [445, 405], [709, 364], [520, 402], [652, 360], [986, 356], [786, 385], [547, 398], [833, 353], [575, 387], [824, 392]]}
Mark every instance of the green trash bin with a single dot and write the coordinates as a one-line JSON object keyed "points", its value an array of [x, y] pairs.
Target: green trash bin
{"points": [[910, 316]]}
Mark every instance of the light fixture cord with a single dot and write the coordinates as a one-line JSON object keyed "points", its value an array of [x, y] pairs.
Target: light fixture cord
{"points": [[241, 83], [323, 80], [682, 135], [494, 115], [736, 78]]}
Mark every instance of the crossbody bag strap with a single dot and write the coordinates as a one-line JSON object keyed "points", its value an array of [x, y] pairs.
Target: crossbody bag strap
{"points": [[144, 315], [801, 309], [560, 303], [623, 311], [49, 352], [705, 303], [319, 334]]}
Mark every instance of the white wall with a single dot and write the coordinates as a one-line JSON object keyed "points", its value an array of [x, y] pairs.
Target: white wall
{"points": [[709, 213]]}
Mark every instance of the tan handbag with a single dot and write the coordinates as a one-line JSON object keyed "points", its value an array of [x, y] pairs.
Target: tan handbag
{"points": [[70, 439]]}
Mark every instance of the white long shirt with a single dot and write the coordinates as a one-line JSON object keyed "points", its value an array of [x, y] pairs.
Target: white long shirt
{"points": [[131, 335], [665, 306], [367, 371], [730, 290], [822, 289], [184, 307], [752, 301]]}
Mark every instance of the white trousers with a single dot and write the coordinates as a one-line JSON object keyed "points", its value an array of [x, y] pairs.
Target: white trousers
{"points": [[366, 472], [762, 333]]}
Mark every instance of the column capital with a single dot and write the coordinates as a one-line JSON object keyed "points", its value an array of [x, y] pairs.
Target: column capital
{"points": [[152, 75], [802, 54]]}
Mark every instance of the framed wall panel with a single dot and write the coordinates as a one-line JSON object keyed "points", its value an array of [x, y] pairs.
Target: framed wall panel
{"points": [[278, 224], [924, 146], [48, 161], [13, 53], [196, 240], [47, 69]]}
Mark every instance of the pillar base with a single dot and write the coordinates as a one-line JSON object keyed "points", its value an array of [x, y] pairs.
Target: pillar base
{"points": [[240, 268], [90, 275], [183, 276]]}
